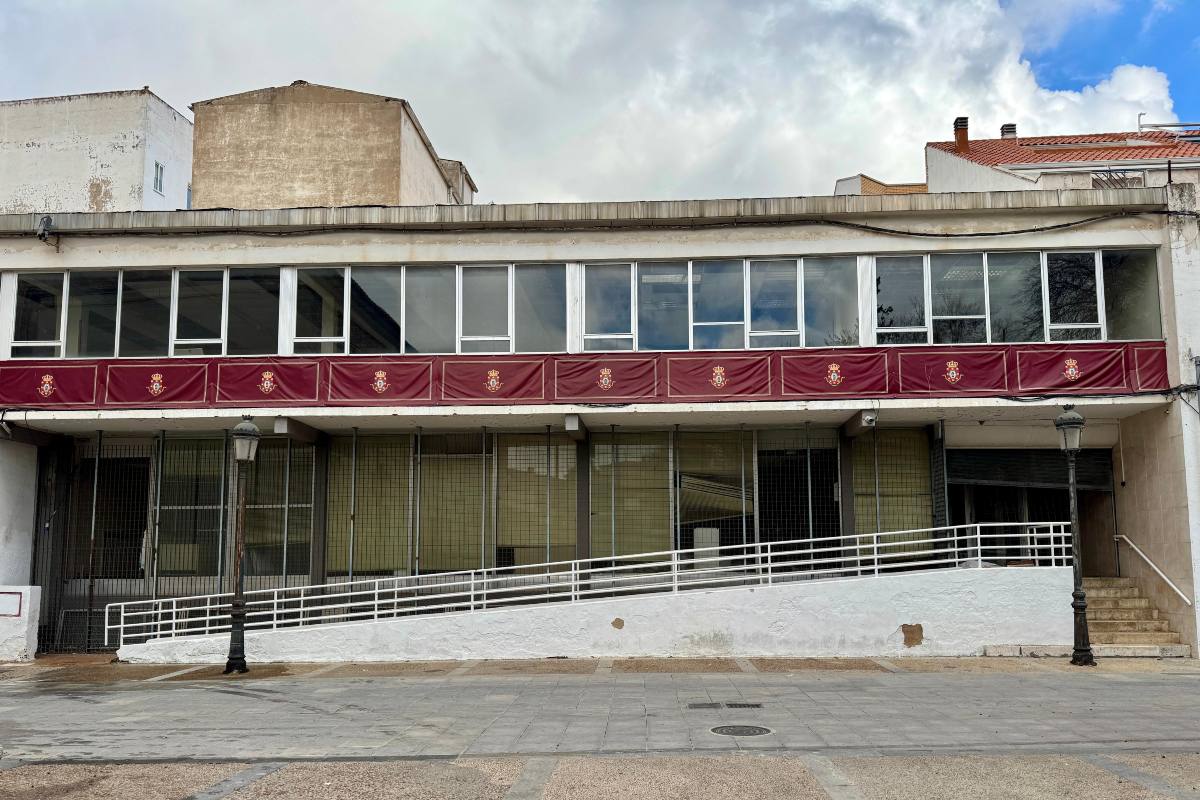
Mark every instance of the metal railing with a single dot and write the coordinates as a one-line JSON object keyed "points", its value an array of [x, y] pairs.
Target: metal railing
{"points": [[1120, 536], [1042, 544]]}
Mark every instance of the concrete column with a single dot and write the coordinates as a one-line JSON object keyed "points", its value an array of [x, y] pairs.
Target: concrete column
{"points": [[18, 511]]}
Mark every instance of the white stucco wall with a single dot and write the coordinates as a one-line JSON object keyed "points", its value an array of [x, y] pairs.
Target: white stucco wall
{"points": [[421, 179], [959, 611], [946, 172], [88, 152], [18, 497], [169, 142], [20, 607]]}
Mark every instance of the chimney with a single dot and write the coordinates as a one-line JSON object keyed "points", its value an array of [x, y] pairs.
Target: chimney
{"points": [[960, 135], [1008, 130]]}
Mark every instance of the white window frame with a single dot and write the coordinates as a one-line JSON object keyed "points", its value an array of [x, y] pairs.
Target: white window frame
{"points": [[985, 316], [512, 303], [459, 285], [1102, 322], [631, 337], [175, 342], [344, 338], [752, 334], [349, 278], [159, 182], [692, 324], [927, 328], [11, 303]]}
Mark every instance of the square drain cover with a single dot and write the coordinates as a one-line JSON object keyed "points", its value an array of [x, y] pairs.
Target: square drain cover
{"points": [[703, 705], [743, 705]]}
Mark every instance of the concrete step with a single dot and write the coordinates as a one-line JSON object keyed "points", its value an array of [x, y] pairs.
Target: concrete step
{"points": [[1117, 602], [1139, 613], [1127, 625], [1114, 591], [1144, 637], [1109, 582]]}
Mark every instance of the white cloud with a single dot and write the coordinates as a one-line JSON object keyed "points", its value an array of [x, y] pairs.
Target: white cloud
{"points": [[597, 99]]}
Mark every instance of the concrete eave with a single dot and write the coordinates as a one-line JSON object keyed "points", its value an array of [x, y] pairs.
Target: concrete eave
{"points": [[643, 213]]}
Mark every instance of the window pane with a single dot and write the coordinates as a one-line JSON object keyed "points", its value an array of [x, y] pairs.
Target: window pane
{"points": [[540, 308], [773, 296], [312, 348], [957, 284], [485, 346], [830, 301], [253, 311], [39, 307], [145, 313], [900, 292], [719, 337], [200, 349], [959, 331], [92, 314], [429, 310], [783, 340], [35, 351], [906, 337], [376, 303], [717, 291], [198, 313], [1074, 334], [1072, 279], [607, 293], [1015, 286], [608, 343], [485, 301], [662, 306], [1131, 294], [319, 302]]}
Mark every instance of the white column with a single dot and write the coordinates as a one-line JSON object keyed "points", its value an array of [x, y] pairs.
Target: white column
{"points": [[18, 501]]}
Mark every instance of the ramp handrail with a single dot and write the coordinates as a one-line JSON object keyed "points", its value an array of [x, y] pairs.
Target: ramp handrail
{"points": [[1043, 544], [1154, 567]]}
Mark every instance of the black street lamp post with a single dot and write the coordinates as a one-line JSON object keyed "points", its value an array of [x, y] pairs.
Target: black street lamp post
{"points": [[245, 447], [1070, 427]]}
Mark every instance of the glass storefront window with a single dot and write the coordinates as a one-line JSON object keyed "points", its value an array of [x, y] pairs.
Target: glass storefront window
{"points": [[429, 309], [92, 314], [319, 299], [662, 305], [146, 313], [1131, 308], [831, 301], [1015, 296], [540, 308], [253, 311], [38, 314], [376, 309], [958, 293]]}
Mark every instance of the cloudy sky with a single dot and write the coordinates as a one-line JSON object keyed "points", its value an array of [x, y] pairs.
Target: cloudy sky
{"points": [[646, 99]]}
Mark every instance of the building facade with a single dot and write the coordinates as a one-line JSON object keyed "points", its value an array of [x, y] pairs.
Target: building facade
{"points": [[855, 386], [110, 151]]}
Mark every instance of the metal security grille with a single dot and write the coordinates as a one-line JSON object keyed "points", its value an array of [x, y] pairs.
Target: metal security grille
{"points": [[893, 487]]}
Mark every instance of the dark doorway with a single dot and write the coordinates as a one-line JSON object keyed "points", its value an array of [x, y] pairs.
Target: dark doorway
{"points": [[790, 505]]}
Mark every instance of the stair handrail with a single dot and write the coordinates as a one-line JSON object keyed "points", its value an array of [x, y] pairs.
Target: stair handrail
{"points": [[1154, 567]]}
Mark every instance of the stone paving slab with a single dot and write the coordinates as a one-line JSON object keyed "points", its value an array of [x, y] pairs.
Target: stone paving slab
{"points": [[464, 779], [535, 666], [809, 664], [676, 665]]}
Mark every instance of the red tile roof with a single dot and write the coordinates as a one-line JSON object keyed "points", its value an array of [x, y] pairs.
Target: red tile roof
{"points": [[1120, 147]]}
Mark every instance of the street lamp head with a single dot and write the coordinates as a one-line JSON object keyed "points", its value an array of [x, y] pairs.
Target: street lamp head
{"points": [[245, 440], [1070, 428]]}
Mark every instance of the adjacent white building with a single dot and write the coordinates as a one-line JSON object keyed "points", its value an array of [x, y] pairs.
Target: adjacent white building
{"points": [[108, 151]]}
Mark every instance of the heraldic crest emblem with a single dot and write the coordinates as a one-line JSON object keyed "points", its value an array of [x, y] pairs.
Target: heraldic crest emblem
{"points": [[493, 384], [606, 381], [718, 378], [267, 384], [46, 387], [952, 374], [380, 384], [1071, 370], [833, 374], [156, 386]]}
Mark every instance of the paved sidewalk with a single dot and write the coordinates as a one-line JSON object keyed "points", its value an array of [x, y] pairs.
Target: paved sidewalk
{"points": [[56, 712]]}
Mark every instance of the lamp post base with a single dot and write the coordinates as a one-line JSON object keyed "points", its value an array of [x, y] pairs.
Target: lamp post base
{"points": [[1082, 655], [237, 665]]}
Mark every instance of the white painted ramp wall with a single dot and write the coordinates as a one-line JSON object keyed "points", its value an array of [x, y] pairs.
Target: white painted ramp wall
{"points": [[959, 611]]}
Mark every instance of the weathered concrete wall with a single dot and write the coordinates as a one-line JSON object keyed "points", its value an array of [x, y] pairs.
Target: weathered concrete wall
{"points": [[946, 172], [18, 498], [959, 613], [20, 609], [307, 145], [89, 152], [1152, 500]]}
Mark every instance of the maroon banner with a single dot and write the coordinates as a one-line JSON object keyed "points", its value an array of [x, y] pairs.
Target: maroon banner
{"points": [[834, 373], [495, 380], [970, 370], [604, 378], [1150, 368], [1071, 369], [268, 382], [716, 376], [160, 384], [55, 384], [380, 382]]}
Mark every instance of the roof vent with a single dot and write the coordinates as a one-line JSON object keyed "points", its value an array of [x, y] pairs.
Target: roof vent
{"points": [[1008, 130], [961, 143], [299, 83]]}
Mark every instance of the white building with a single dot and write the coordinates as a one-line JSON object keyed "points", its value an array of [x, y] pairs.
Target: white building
{"points": [[109, 151]]}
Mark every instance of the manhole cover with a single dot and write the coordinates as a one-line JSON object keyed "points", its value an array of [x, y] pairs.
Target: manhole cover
{"points": [[740, 730]]}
